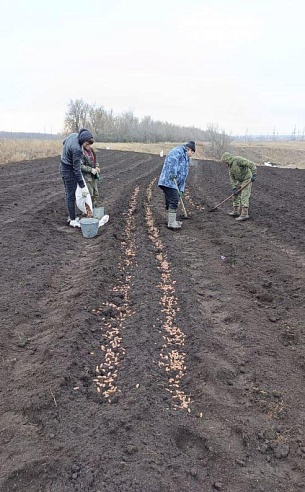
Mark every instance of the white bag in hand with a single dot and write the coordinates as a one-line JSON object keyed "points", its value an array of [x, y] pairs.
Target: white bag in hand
{"points": [[80, 200]]}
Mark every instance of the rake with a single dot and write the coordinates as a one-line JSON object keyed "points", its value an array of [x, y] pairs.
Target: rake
{"points": [[228, 198], [181, 201]]}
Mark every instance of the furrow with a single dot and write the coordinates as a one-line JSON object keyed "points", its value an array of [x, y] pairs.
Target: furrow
{"points": [[116, 313], [172, 355]]}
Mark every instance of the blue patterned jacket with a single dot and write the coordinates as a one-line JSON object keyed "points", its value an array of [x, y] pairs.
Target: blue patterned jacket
{"points": [[176, 164]]}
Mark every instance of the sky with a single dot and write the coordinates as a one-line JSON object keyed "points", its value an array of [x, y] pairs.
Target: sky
{"points": [[236, 64]]}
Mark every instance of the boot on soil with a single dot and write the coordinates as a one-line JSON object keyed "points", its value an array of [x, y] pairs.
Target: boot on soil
{"points": [[167, 218], [235, 212], [244, 214], [172, 220]]}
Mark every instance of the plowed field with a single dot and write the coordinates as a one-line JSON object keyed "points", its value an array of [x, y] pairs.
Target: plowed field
{"points": [[150, 360]]}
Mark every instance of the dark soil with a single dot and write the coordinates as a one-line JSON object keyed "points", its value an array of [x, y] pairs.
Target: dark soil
{"points": [[148, 360]]}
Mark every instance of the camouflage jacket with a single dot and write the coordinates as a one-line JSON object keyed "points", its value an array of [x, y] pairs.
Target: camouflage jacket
{"points": [[240, 169], [88, 161]]}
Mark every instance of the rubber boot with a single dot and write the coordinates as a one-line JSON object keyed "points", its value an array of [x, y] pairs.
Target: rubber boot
{"points": [[166, 217], [244, 214], [235, 212], [172, 220]]}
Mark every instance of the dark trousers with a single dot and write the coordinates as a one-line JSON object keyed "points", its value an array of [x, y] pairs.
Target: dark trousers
{"points": [[70, 184], [171, 197]]}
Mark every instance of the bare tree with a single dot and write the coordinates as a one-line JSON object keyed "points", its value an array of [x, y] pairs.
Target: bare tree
{"points": [[219, 140], [77, 115], [147, 129], [99, 122], [125, 127]]}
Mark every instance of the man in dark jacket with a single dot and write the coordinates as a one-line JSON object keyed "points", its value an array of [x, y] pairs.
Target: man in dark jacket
{"points": [[70, 169]]}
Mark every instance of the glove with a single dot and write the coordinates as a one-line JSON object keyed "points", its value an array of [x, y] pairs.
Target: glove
{"points": [[253, 178], [173, 176], [181, 193], [84, 193], [235, 191], [93, 171]]}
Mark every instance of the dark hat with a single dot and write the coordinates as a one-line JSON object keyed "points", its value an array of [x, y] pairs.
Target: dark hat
{"points": [[191, 145], [84, 136]]}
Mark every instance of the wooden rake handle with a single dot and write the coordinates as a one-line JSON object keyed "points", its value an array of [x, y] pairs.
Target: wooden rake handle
{"points": [[228, 198], [181, 200]]}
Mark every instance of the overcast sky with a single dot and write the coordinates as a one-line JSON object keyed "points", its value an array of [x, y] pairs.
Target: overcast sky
{"points": [[234, 63]]}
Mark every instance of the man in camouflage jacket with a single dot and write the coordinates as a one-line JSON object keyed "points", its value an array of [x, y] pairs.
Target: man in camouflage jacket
{"points": [[242, 172]]}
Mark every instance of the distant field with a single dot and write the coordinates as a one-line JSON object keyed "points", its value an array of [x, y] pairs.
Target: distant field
{"points": [[286, 154], [26, 150]]}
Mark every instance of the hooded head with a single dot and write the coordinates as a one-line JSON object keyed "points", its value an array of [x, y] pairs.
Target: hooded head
{"points": [[85, 136], [191, 145], [227, 157]]}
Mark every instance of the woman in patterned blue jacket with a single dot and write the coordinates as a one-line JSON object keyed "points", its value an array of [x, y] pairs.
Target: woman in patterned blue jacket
{"points": [[173, 179]]}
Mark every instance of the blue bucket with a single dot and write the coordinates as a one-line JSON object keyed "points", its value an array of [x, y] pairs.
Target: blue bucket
{"points": [[98, 212], [89, 226]]}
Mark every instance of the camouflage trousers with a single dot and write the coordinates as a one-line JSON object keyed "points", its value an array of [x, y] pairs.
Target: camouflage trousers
{"points": [[92, 187], [243, 198]]}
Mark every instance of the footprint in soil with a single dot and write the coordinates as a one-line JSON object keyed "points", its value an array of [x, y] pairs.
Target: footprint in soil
{"points": [[192, 443]]}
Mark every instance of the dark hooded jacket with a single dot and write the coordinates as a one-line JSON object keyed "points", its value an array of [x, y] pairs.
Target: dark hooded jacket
{"points": [[71, 157]]}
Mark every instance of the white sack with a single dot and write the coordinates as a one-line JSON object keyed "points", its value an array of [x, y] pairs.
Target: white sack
{"points": [[80, 201], [103, 220]]}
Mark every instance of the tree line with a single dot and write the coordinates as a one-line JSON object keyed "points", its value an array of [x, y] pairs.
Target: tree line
{"points": [[125, 127]]}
